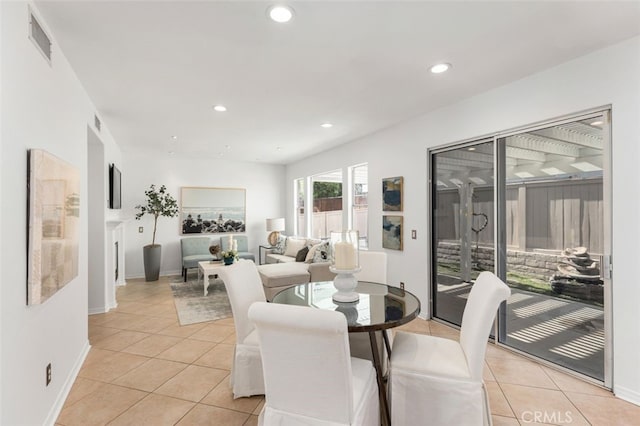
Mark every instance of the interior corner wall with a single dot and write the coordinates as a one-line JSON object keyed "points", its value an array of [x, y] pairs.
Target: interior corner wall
{"points": [[577, 85], [96, 284], [43, 106], [264, 198]]}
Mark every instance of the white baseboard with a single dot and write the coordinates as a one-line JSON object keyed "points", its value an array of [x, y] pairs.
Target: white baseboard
{"points": [[98, 310], [102, 309], [66, 387], [162, 274], [627, 394]]}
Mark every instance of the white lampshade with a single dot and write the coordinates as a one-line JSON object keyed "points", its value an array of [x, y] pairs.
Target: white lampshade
{"points": [[275, 224]]}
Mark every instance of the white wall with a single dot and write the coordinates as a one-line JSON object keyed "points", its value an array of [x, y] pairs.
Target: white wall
{"points": [[264, 198], [43, 107], [96, 212], [608, 76]]}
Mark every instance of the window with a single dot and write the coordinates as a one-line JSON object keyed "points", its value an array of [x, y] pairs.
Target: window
{"points": [[327, 203], [360, 203], [300, 227]]}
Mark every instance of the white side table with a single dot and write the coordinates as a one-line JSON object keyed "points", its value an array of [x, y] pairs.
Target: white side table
{"points": [[207, 268]]}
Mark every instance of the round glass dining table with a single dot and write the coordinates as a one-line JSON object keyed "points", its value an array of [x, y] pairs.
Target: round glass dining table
{"points": [[379, 308]]}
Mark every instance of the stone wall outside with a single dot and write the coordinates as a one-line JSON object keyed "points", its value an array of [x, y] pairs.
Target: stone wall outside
{"points": [[533, 264]]}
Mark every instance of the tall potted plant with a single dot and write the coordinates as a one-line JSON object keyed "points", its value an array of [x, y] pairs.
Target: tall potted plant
{"points": [[159, 203]]}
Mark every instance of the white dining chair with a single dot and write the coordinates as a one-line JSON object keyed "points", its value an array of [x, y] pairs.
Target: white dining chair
{"points": [[244, 287], [373, 269], [441, 379], [310, 376]]}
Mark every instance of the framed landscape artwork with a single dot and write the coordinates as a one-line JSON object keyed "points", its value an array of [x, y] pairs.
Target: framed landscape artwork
{"points": [[392, 194], [212, 210], [392, 232], [54, 225]]}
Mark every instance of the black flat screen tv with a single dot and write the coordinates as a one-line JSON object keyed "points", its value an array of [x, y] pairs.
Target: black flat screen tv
{"points": [[115, 187]]}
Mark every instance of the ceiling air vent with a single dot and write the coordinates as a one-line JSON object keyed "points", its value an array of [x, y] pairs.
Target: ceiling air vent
{"points": [[96, 122], [39, 37]]}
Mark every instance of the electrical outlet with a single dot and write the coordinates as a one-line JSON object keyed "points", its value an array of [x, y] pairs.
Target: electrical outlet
{"points": [[48, 373], [414, 234], [140, 229], [401, 285]]}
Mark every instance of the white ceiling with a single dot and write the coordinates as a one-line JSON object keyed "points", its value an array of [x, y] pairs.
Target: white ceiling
{"points": [[155, 69]]}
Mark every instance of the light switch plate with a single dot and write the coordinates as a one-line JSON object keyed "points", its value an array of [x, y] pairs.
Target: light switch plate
{"points": [[140, 229], [414, 234]]}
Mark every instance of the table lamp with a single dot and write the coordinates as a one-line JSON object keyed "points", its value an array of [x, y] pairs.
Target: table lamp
{"points": [[274, 226]]}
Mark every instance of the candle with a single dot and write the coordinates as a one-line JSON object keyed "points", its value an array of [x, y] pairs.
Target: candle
{"points": [[345, 256], [235, 245], [230, 242]]}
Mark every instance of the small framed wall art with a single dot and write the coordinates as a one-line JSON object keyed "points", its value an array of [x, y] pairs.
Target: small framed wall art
{"points": [[392, 232], [392, 189]]}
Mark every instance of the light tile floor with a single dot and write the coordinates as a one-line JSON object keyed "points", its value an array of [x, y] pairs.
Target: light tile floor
{"points": [[146, 369]]}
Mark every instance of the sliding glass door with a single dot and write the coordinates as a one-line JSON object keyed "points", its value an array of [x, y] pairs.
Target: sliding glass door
{"points": [[462, 224], [542, 226], [556, 241]]}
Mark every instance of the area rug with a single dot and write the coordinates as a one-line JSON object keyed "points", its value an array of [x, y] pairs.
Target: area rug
{"points": [[193, 306]]}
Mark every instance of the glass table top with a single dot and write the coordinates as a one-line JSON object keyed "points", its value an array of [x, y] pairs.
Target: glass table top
{"points": [[380, 306]]}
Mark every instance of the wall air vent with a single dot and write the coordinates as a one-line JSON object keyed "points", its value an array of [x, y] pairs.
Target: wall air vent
{"points": [[39, 37], [96, 122]]}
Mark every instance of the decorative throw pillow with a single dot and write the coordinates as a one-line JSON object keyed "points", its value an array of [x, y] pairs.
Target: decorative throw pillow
{"points": [[312, 252], [302, 254], [322, 253], [280, 245], [294, 245]]}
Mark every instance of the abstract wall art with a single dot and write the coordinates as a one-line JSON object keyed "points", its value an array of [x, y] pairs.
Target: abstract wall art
{"points": [[392, 232], [212, 210], [54, 225], [392, 194]]}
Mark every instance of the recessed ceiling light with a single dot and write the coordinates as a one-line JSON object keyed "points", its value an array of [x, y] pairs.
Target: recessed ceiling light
{"points": [[220, 154], [171, 152], [280, 13], [326, 125], [220, 108], [471, 148], [278, 148], [597, 123], [228, 146], [174, 137], [440, 68]]}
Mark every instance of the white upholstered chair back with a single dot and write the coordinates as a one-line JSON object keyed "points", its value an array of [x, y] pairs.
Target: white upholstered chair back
{"points": [[487, 293], [306, 361], [244, 287], [373, 265]]}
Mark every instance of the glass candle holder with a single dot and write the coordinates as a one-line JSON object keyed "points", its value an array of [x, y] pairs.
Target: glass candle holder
{"points": [[344, 250], [345, 263]]}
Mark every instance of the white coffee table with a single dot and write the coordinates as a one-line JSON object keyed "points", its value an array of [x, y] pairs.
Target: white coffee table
{"points": [[207, 268]]}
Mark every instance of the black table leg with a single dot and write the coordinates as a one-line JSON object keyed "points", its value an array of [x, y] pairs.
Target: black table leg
{"points": [[382, 390], [386, 343]]}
